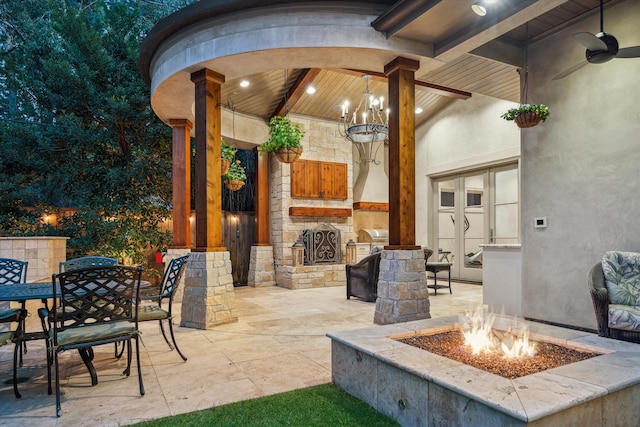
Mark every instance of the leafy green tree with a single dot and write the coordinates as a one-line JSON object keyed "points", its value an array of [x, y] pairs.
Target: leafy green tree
{"points": [[76, 127]]}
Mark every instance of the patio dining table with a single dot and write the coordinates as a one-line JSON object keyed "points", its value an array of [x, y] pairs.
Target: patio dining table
{"points": [[20, 292], [27, 291]]}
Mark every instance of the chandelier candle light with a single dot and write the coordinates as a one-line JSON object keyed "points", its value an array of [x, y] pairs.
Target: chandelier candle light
{"points": [[371, 128]]}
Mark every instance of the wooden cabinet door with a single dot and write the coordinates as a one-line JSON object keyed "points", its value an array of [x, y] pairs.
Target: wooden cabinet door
{"points": [[327, 180], [339, 180], [298, 178], [314, 179]]}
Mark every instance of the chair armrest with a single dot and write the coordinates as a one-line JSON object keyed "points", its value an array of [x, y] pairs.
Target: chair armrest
{"points": [[600, 298]]}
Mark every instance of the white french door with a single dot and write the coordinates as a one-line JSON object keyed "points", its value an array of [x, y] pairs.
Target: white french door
{"points": [[473, 209]]}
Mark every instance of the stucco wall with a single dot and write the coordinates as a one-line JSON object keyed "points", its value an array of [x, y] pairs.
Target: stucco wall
{"points": [[580, 169], [466, 134]]}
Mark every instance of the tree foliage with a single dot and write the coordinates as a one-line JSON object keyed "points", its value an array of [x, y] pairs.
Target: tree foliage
{"points": [[76, 127]]}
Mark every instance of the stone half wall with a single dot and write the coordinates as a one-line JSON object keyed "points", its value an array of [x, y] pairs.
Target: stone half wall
{"points": [[311, 276], [43, 253], [322, 142]]}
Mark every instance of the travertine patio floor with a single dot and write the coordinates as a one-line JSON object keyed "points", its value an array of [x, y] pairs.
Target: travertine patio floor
{"points": [[278, 344]]}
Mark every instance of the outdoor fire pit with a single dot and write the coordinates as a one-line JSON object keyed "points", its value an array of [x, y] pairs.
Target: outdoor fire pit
{"points": [[420, 388], [509, 353]]}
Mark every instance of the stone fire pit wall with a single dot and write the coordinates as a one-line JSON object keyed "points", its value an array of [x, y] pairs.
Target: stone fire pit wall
{"points": [[418, 388]]}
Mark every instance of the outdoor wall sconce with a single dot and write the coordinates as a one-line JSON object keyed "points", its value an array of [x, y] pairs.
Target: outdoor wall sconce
{"points": [[297, 252], [352, 252]]}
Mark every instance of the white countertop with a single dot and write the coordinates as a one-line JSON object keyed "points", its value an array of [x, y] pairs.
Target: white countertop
{"points": [[501, 246]]}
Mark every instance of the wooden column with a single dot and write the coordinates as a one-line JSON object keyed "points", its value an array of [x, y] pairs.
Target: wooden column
{"points": [[262, 200], [181, 177], [402, 135], [208, 181]]}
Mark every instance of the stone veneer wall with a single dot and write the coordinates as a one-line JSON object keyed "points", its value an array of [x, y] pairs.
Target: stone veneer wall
{"points": [[208, 299], [403, 295], [322, 142], [44, 254], [261, 270]]}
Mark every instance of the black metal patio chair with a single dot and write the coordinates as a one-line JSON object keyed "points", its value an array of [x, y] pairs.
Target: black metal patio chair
{"points": [[15, 271], [13, 315], [164, 292], [96, 307], [46, 317]]}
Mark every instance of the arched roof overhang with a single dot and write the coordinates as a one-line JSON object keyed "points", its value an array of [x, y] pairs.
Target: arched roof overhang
{"points": [[238, 38]]}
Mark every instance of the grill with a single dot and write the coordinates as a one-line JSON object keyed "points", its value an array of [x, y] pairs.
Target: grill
{"points": [[374, 236]]}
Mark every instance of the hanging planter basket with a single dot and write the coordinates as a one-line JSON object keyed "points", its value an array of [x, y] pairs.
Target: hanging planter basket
{"points": [[225, 166], [527, 120], [288, 155], [234, 185]]}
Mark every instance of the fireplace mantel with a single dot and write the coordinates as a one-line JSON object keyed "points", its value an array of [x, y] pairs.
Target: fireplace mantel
{"points": [[313, 211]]}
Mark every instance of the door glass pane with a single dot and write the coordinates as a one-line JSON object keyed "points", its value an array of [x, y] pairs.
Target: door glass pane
{"points": [[506, 186], [473, 220], [506, 230], [446, 224], [506, 206]]}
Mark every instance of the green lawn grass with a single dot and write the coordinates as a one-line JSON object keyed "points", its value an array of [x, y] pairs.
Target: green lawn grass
{"points": [[323, 405]]}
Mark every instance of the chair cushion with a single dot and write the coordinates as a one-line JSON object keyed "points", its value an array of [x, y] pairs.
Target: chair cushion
{"points": [[622, 277], [95, 332], [6, 337], [9, 315], [151, 312], [625, 317]]}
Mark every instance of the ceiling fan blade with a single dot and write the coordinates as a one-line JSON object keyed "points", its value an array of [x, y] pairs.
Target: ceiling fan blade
{"points": [[590, 41], [573, 69], [629, 52]]}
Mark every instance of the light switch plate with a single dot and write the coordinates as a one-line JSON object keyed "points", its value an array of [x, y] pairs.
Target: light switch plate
{"points": [[540, 222]]}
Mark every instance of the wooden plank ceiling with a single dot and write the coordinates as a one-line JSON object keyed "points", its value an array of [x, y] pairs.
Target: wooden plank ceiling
{"points": [[284, 90]]}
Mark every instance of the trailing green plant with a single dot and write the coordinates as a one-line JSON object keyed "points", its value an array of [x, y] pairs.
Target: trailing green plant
{"points": [[282, 134], [228, 152], [236, 172], [541, 109]]}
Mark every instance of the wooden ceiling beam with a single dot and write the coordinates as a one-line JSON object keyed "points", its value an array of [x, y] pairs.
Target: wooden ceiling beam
{"points": [[295, 91], [437, 89]]}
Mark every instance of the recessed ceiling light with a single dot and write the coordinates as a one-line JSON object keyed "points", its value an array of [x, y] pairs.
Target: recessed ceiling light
{"points": [[479, 9], [419, 110], [311, 90], [244, 83]]}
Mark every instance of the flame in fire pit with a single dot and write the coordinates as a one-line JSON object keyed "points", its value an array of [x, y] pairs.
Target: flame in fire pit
{"points": [[480, 335]]}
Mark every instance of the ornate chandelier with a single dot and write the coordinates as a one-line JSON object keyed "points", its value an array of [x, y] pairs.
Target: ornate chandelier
{"points": [[366, 124]]}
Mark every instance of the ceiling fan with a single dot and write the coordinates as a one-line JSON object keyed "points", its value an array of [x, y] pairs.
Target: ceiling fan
{"points": [[601, 48]]}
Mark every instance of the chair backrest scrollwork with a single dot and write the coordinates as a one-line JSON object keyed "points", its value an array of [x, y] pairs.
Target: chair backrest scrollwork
{"points": [[85, 262], [96, 295], [172, 275], [13, 271]]}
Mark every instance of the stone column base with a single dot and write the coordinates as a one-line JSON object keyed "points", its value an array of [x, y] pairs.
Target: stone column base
{"points": [[209, 297], [403, 295], [261, 267], [171, 254]]}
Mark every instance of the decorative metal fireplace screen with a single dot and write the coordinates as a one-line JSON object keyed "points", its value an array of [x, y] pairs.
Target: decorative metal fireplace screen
{"points": [[322, 245]]}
